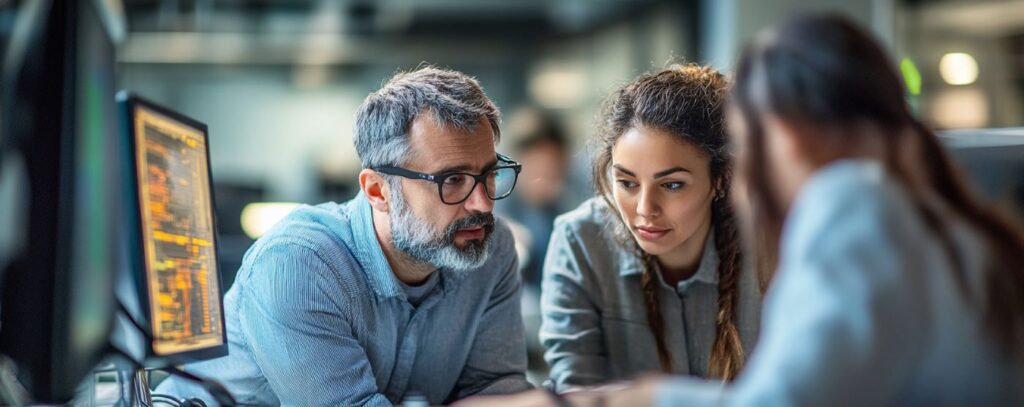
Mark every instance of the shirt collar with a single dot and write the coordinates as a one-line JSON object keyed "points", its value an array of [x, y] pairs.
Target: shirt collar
{"points": [[708, 270], [375, 264], [633, 265], [369, 253]]}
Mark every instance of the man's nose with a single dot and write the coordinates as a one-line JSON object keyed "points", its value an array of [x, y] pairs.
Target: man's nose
{"points": [[478, 200]]}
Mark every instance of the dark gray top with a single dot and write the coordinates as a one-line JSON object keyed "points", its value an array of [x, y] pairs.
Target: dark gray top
{"points": [[416, 293], [594, 319]]}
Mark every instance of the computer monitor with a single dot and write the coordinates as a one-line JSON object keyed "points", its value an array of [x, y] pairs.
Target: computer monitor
{"points": [[994, 161], [176, 257], [62, 201]]}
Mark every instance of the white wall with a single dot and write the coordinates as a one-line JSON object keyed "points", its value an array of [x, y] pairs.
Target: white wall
{"points": [[268, 127]]}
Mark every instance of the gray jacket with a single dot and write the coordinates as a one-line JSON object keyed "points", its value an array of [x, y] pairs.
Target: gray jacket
{"points": [[594, 319]]}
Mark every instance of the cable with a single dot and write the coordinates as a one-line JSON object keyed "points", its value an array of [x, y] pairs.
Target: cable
{"points": [[166, 399], [122, 353], [215, 389], [130, 383], [557, 398], [218, 391], [144, 331]]}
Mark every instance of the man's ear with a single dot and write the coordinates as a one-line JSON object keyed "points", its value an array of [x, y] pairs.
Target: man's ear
{"points": [[376, 189]]}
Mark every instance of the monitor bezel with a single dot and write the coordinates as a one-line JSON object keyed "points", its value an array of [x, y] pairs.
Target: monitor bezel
{"points": [[128, 102]]}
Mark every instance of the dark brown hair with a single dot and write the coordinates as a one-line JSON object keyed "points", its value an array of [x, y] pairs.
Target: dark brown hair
{"points": [[687, 101], [823, 70]]}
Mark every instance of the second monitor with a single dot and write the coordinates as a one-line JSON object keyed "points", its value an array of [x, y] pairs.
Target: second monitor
{"points": [[177, 243]]}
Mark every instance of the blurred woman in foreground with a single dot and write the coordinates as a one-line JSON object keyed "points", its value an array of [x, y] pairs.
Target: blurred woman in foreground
{"points": [[894, 285]]}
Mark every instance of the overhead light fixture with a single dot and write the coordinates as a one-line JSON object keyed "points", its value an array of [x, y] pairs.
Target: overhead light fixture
{"points": [[958, 68], [259, 217], [559, 86]]}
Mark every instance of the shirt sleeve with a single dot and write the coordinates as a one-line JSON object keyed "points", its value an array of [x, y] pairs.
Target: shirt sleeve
{"points": [[300, 337], [571, 327], [497, 361]]}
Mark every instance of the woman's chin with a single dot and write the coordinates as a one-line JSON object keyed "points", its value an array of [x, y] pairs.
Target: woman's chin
{"points": [[653, 248]]}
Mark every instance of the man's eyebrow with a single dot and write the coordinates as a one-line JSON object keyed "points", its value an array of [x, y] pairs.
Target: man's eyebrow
{"points": [[465, 168], [623, 169]]}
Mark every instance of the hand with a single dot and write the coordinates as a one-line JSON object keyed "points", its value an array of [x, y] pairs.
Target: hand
{"points": [[636, 393], [533, 398]]}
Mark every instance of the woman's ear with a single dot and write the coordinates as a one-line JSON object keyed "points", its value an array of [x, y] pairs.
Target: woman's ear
{"points": [[720, 189], [376, 189]]}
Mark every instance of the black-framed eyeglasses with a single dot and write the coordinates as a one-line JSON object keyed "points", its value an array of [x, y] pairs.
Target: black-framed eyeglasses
{"points": [[455, 187]]}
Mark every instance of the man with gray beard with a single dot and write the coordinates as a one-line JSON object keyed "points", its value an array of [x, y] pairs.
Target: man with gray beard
{"points": [[410, 287]]}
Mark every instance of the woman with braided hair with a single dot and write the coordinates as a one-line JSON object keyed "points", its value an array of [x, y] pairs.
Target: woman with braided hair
{"points": [[648, 276]]}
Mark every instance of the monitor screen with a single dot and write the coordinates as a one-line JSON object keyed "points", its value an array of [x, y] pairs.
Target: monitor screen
{"points": [[994, 161], [181, 281]]}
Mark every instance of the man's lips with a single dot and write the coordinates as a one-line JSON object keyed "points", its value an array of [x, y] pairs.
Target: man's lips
{"points": [[650, 232], [471, 233]]}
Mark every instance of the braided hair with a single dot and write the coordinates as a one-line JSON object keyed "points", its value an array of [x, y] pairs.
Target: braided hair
{"points": [[687, 101]]}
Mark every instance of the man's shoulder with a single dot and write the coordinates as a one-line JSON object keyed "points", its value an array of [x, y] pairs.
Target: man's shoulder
{"points": [[316, 227], [310, 235], [303, 260], [850, 200]]}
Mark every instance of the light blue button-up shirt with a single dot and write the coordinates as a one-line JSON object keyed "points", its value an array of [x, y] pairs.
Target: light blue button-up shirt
{"points": [[864, 310], [317, 317]]}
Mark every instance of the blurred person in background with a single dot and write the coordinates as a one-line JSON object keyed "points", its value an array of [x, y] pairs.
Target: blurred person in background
{"points": [[539, 143], [894, 284], [541, 146], [648, 276], [356, 303]]}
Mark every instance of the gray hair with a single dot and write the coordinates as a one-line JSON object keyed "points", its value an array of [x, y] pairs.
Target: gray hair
{"points": [[383, 120]]}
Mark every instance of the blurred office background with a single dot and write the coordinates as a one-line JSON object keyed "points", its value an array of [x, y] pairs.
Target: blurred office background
{"points": [[278, 81]]}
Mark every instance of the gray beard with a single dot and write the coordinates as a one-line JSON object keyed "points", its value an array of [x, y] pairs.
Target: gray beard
{"points": [[420, 241]]}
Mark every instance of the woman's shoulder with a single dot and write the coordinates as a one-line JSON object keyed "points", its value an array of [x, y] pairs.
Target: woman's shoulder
{"points": [[851, 199], [590, 233], [592, 218], [854, 208]]}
